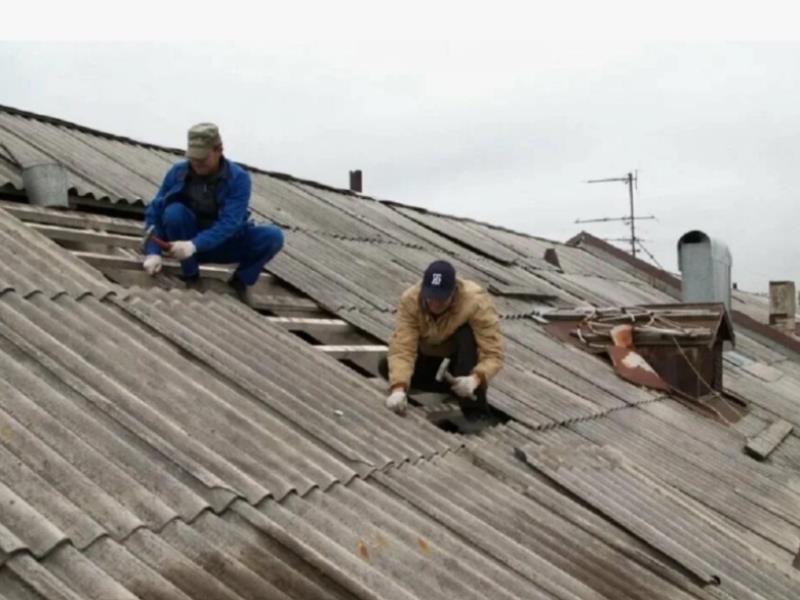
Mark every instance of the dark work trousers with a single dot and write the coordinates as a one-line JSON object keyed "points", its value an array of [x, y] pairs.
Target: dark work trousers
{"points": [[251, 249], [462, 361]]}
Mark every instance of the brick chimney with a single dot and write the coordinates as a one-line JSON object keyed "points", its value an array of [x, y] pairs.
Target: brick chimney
{"points": [[782, 305]]}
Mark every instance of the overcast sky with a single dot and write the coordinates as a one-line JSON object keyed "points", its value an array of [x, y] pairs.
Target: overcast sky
{"points": [[501, 132]]}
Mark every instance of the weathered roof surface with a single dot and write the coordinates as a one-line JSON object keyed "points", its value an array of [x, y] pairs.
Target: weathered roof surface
{"points": [[177, 445], [96, 166], [622, 481], [704, 545], [33, 263], [498, 540], [226, 557], [187, 400]]}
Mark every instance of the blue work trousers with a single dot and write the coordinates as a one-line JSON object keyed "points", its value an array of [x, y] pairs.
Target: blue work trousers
{"points": [[251, 249]]}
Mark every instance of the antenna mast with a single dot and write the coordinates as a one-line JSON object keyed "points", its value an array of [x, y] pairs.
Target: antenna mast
{"points": [[631, 180]]}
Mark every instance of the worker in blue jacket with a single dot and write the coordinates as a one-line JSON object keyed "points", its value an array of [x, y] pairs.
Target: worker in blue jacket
{"points": [[202, 210]]}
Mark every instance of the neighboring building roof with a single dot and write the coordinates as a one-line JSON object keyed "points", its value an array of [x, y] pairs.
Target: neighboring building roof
{"points": [[177, 444]]}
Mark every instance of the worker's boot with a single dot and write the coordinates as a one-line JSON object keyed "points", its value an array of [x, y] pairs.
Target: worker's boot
{"points": [[192, 282], [239, 288]]}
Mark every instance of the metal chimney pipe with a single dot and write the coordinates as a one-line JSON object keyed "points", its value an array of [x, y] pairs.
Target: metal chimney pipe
{"points": [[705, 265], [356, 182], [46, 184]]}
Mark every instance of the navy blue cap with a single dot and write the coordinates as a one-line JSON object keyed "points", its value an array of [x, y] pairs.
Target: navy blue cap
{"points": [[439, 280]]}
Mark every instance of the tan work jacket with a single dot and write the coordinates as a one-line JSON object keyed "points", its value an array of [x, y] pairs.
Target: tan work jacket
{"points": [[416, 330]]}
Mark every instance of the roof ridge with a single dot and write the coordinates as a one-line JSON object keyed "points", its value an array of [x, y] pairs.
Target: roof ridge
{"points": [[393, 203], [84, 129], [177, 151], [276, 174]]}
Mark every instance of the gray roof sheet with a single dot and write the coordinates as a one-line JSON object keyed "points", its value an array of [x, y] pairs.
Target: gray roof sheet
{"points": [[214, 557], [33, 263], [174, 444], [91, 170], [507, 545], [115, 417]]}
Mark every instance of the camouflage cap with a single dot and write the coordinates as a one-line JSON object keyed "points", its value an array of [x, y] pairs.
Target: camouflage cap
{"points": [[203, 138]]}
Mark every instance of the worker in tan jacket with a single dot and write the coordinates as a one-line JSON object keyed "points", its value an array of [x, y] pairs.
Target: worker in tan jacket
{"points": [[444, 317]]}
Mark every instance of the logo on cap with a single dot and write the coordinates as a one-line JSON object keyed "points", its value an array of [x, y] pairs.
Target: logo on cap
{"points": [[439, 280]]}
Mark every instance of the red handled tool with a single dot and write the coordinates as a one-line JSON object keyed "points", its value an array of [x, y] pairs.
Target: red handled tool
{"points": [[149, 236]]}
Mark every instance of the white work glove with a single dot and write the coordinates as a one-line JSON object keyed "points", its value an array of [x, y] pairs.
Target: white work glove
{"points": [[152, 264], [397, 401], [181, 250], [464, 387]]}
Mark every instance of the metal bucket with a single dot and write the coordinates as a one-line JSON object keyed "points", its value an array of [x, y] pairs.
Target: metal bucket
{"points": [[46, 184]]}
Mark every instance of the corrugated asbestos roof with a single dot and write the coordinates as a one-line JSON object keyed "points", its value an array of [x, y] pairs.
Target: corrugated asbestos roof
{"points": [[629, 497], [636, 501], [173, 444], [235, 423], [230, 557], [33, 263]]}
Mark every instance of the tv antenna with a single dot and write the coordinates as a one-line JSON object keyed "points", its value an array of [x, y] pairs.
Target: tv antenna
{"points": [[632, 181]]}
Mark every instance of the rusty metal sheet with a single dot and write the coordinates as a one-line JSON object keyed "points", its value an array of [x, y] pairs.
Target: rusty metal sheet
{"points": [[631, 366], [676, 347]]}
